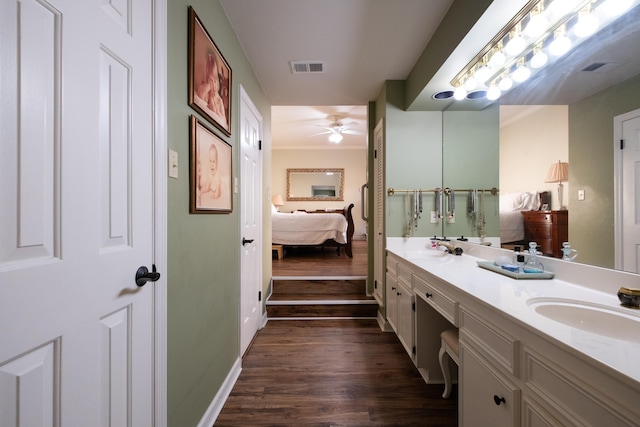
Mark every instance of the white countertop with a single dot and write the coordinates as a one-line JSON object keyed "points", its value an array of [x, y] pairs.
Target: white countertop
{"points": [[619, 350]]}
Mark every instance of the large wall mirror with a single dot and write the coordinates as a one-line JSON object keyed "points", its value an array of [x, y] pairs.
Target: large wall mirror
{"points": [[315, 185], [592, 99]]}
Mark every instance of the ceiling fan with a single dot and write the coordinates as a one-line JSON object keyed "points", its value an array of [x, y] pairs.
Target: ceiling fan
{"points": [[337, 128]]}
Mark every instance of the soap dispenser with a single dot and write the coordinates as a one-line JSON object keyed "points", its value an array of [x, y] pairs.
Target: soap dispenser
{"points": [[568, 254], [533, 265]]}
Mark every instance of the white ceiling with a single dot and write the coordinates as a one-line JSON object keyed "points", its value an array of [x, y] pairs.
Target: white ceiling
{"points": [[362, 43], [365, 42]]}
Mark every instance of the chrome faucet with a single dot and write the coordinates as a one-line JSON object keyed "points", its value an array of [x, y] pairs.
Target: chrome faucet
{"points": [[450, 247]]}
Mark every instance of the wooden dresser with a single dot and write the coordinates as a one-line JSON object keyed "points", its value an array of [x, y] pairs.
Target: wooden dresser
{"points": [[548, 229]]}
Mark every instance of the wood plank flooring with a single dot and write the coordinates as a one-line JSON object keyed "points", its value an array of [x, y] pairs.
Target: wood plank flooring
{"points": [[322, 262], [332, 373]]}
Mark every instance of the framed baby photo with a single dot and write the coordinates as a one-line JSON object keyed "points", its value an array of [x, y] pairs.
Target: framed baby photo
{"points": [[210, 171], [209, 77]]}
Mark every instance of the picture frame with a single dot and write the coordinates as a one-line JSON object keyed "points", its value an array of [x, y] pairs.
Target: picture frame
{"points": [[209, 77], [210, 168]]}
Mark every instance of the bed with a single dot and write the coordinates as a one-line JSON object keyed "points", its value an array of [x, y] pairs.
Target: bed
{"points": [[511, 207], [321, 229]]}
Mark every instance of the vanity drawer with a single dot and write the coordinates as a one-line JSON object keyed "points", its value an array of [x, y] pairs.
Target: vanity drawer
{"points": [[490, 340], [444, 305], [404, 274], [392, 265]]}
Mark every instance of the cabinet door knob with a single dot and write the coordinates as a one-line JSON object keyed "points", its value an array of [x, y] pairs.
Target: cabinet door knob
{"points": [[498, 400], [428, 295]]}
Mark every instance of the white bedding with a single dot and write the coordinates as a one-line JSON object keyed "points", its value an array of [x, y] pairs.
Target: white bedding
{"points": [[511, 207], [302, 228]]}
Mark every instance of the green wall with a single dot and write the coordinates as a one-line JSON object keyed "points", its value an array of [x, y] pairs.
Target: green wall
{"points": [[431, 149], [203, 250], [591, 149]]}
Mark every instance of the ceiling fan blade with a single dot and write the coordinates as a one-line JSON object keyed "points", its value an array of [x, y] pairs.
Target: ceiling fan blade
{"points": [[322, 133], [352, 132]]}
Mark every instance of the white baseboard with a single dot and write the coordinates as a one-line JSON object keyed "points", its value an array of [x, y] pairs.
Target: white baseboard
{"points": [[221, 397]]}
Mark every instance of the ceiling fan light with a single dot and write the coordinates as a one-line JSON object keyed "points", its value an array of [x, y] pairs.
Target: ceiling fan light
{"points": [[335, 137]]}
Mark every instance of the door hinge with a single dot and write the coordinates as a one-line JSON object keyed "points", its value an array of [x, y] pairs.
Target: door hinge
{"points": [[622, 144], [260, 144], [375, 284], [413, 306], [259, 295], [413, 350], [375, 154]]}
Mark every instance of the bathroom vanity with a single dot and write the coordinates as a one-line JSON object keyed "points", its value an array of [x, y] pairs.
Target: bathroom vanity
{"points": [[532, 352]]}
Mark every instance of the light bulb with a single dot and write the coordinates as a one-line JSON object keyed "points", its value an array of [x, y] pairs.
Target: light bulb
{"points": [[460, 93], [615, 7], [482, 74], [470, 84], [562, 7], [505, 83], [587, 25], [335, 137], [493, 93], [536, 26], [538, 60], [515, 45], [560, 46], [497, 59], [521, 74]]}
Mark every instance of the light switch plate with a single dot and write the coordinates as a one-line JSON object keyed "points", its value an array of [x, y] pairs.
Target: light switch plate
{"points": [[173, 164]]}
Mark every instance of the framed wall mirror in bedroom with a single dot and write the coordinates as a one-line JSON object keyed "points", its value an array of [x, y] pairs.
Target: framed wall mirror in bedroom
{"points": [[315, 184]]}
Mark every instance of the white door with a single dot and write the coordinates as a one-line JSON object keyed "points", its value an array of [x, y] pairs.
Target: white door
{"points": [[378, 220], [627, 128], [76, 213], [250, 220]]}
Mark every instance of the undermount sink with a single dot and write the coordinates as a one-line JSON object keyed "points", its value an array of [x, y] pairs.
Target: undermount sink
{"points": [[618, 323]]}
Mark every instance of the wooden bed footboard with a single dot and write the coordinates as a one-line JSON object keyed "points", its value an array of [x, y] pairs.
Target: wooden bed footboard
{"points": [[350, 230]]}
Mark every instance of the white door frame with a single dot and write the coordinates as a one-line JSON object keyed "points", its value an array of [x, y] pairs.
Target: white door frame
{"points": [[617, 184], [246, 101], [160, 211]]}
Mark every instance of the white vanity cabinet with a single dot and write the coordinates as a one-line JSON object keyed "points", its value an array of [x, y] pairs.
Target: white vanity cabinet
{"points": [[400, 302], [510, 373], [511, 376]]}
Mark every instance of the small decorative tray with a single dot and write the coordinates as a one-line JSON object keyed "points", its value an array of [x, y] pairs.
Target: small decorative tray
{"points": [[491, 266]]}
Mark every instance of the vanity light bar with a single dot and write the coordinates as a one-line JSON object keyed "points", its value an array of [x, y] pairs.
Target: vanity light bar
{"points": [[540, 32]]}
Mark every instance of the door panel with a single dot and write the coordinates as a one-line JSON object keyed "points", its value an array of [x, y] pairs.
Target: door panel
{"points": [[251, 221], [76, 213]]}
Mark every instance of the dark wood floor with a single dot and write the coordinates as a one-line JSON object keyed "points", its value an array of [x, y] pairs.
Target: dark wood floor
{"points": [[332, 373], [322, 262]]}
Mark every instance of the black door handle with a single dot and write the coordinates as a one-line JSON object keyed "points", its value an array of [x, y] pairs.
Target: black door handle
{"points": [[245, 241], [143, 275]]}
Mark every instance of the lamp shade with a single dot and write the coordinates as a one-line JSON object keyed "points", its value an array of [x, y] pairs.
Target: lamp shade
{"points": [[277, 200], [558, 172]]}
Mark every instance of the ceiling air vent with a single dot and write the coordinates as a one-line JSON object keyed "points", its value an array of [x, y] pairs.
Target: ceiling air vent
{"points": [[601, 67], [298, 67]]}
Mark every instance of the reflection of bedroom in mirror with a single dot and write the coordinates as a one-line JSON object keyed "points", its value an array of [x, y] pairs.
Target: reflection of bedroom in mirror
{"points": [[315, 184]]}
